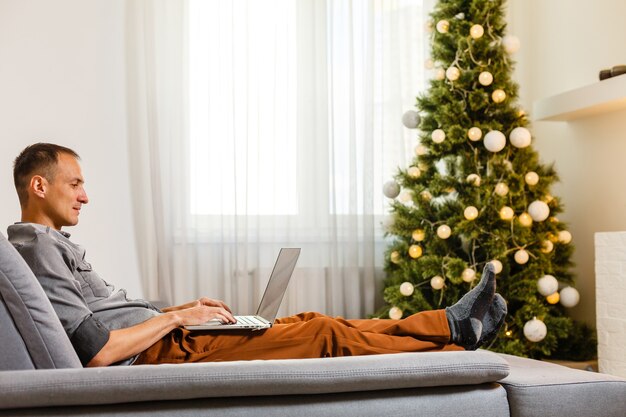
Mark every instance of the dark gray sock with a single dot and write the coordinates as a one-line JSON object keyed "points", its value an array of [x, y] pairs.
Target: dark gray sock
{"points": [[465, 317], [492, 322]]}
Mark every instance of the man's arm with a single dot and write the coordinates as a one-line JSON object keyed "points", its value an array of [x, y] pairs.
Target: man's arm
{"points": [[126, 343], [202, 301]]}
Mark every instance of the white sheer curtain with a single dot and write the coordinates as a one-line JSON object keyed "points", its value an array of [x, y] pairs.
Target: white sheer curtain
{"points": [[260, 124]]}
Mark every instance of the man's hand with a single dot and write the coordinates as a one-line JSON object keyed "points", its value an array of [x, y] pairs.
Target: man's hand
{"points": [[201, 313], [204, 301]]}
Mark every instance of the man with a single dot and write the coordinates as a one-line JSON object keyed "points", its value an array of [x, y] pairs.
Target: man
{"points": [[105, 327]]}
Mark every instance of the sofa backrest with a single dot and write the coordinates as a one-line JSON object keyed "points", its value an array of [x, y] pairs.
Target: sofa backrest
{"points": [[32, 335]]}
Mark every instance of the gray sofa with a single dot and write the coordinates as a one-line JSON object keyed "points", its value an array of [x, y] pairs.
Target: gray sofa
{"points": [[40, 375]]}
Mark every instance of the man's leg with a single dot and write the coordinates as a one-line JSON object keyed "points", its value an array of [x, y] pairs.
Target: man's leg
{"points": [[308, 335]]}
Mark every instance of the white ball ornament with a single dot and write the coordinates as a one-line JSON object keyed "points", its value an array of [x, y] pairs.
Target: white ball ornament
{"points": [[538, 210], [525, 220], [569, 297], [511, 44], [391, 189], [443, 26], [501, 189], [388, 222], [520, 137], [565, 237], [547, 285], [414, 172], [411, 119], [547, 246], [531, 178], [421, 150], [406, 289], [535, 330], [521, 257], [497, 266], [438, 136], [485, 78], [437, 282], [495, 141], [395, 313], [468, 275], [473, 179], [453, 73], [498, 96], [440, 74], [444, 231], [406, 197], [506, 213], [474, 134], [429, 64], [477, 32], [470, 212]]}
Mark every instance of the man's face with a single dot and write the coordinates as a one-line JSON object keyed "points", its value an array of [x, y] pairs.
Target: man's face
{"points": [[65, 195]]}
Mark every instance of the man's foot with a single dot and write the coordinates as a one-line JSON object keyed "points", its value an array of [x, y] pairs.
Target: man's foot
{"points": [[492, 322], [465, 317]]}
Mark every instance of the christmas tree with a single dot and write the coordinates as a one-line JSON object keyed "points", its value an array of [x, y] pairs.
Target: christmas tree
{"points": [[470, 196]]}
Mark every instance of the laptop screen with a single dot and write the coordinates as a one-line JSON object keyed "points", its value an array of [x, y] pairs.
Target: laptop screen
{"points": [[277, 285]]}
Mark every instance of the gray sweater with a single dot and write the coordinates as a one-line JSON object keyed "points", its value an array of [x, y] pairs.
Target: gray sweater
{"points": [[87, 306]]}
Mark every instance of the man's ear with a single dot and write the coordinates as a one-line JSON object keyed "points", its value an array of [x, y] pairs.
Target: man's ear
{"points": [[38, 186]]}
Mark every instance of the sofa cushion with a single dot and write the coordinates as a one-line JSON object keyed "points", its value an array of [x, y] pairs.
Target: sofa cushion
{"points": [[538, 388], [33, 319], [248, 378]]}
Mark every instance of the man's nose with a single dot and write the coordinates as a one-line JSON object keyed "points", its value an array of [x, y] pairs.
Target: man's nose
{"points": [[82, 197]]}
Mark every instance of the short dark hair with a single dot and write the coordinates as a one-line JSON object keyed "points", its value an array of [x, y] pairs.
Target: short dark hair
{"points": [[38, 159]]}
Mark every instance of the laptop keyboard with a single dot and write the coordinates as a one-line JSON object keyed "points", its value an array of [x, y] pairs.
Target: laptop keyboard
{"points": [[249, 320]]}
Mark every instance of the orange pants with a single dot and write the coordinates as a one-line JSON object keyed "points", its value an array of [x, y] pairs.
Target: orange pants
{"points": [[306, 335]]}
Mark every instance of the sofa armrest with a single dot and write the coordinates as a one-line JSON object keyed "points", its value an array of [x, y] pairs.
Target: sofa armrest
{"points": [[247, 378]]}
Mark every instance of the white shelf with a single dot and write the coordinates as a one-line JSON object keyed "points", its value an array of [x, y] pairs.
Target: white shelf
{"points": [[601, 97]]}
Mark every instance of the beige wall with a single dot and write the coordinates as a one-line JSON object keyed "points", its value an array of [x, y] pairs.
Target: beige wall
{"points": [[62, 79], [564, 46]]}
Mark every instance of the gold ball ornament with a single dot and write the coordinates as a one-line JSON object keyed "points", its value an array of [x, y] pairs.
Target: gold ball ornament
{"points": [[485, 78], [553, 298], [525, 220], [421, 150], [429, 64], [395, 257], [501, 189], [498, 96], [468, 275], [437, 282], [443, 26], [506, 213], [426, 195], [444, 231], [531, 178], [422, 166], [453, 73], [521, 257], [415, 251], [406, 289], [497, 266], [565, 237], [418, 235], [547, 246], [473, 179], [470, 212], [414, 172], [474, 134], [438, 136], [477, 31], [440, 74], [395, 313]]}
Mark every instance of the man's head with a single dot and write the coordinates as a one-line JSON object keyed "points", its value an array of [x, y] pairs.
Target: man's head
{"points": [[49, 184]]}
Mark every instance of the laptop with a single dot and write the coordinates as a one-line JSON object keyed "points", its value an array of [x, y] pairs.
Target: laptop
{"points": [[272, 297]]}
